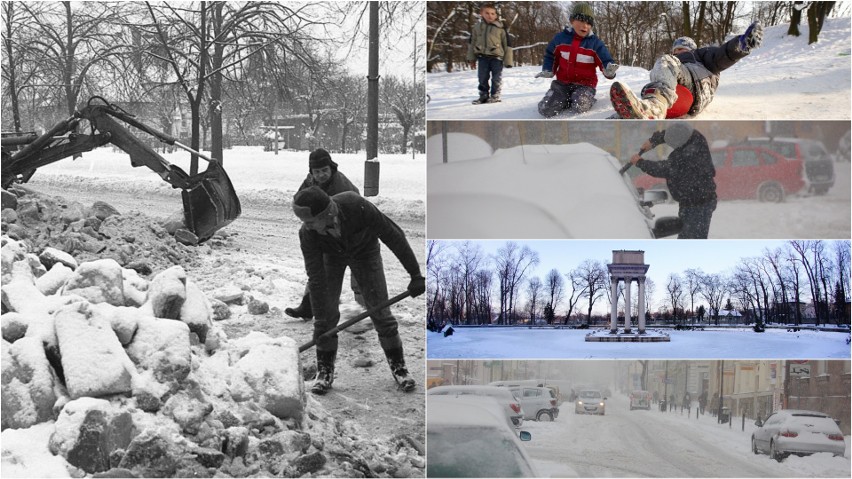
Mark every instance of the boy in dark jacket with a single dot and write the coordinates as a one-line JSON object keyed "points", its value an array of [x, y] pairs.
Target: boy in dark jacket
{"points": [[684, 82], [574, 55], [345, 230], [489, 47], [323, 173], [689, 173]]}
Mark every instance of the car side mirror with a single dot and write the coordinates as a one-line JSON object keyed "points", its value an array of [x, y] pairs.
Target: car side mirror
{"points": [[655, 196], [667, 226], [758, 423], [525, 436]]}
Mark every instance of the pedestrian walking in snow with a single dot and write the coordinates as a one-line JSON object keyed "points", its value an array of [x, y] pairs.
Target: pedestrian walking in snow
{"points": [[689, 173], [345, 230], [684, 81], [491, 49], [323, 173], [573, 56]]}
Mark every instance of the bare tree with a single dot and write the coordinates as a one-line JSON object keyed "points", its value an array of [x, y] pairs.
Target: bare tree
{"points": [[555, 288], [595, 281], [713, 291], [693, 285], [578, 291], [533, 291], [674, 287], [405, 101]]}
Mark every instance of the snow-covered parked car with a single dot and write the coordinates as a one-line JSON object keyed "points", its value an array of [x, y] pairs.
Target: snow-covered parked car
{"points": [[540, 191], [640, 400], [470, 438], [510, 403], [590, 401], [798, 432]]}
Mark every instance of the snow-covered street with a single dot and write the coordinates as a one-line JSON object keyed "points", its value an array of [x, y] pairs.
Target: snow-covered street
{"points": [[640, 443]]}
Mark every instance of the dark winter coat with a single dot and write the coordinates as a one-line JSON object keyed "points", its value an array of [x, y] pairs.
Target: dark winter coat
{"points": [[337, 183], [704, 66], [362, 226], [575, 59], [490, 40], [688, 171]]}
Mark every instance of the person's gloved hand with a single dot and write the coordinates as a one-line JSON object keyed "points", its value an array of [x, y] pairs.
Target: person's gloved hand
{"points": [[609, 71], [417, 286], [473, 65], [752, 37], [544, 74]]}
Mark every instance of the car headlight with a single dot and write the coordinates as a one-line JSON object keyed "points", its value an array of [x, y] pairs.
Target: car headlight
{"points": [[602, 404], [579, 403]]}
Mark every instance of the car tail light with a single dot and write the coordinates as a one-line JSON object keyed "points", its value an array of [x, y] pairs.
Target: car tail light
{"points": [[516, 407], [789, 433], [835, 437], [553, 402]]}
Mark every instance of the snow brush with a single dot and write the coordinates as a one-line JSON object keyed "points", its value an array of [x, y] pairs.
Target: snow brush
{"points": [[629, 164], [359, 317]]}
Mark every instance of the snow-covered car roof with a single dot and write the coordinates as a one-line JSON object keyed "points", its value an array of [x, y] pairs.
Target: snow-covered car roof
{"points": [[469, 439], [534, 191]]}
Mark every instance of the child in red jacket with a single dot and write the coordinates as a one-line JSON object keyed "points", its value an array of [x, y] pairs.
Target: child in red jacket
{"points": [[574, 55]]}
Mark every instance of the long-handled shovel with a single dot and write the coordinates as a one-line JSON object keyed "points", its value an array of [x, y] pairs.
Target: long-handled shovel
{"points": [[354, 320]]}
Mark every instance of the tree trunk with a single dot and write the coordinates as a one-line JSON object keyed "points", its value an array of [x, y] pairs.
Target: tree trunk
{"points": [[795, 19], [13, 87]]}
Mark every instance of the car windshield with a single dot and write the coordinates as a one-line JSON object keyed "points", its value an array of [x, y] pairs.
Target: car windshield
{"points": [[590, 395], [474, 452]]}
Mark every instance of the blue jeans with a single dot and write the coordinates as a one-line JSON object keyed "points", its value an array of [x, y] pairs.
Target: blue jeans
{"points": [[490, 67], [696, 220], [566, 96]]}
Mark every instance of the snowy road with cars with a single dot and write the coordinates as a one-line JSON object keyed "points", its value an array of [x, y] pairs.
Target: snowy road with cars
{"points": [[651, 443]]}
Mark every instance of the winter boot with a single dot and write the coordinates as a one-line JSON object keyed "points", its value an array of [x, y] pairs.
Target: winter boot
{"points": [[325, 372], [482, 99], [303, 311], [628, 106], [396, 361], [494, 98]]}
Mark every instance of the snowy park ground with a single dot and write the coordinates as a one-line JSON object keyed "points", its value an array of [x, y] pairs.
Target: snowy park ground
{"points": [[540, 343], [784, 78], [651, 443]]}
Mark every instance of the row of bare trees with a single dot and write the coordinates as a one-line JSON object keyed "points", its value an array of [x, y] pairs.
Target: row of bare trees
{"points": [[636, 33], [775, 287], [233, 65]]}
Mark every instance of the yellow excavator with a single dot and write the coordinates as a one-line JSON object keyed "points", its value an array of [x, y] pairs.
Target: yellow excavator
{"points": [[209, 199]]}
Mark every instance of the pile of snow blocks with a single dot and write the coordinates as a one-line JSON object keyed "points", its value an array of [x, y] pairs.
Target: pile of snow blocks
{"points": [[132, 372]]}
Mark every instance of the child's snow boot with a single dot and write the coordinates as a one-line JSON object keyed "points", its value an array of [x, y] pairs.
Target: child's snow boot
{"points": [[482, 99], [628, 106]]}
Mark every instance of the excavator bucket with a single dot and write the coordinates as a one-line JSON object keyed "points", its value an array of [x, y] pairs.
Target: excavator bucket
{"points": [[210, 203]]}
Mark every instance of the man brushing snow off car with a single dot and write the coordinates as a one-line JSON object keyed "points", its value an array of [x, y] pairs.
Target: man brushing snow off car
{"points": [[684, 82], [689, 173], [340, 231]]}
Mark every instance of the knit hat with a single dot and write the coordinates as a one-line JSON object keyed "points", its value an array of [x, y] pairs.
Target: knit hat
{"points": [[684, 42], [678, 133], [311, 203], [320, 158], [582, 11]]}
